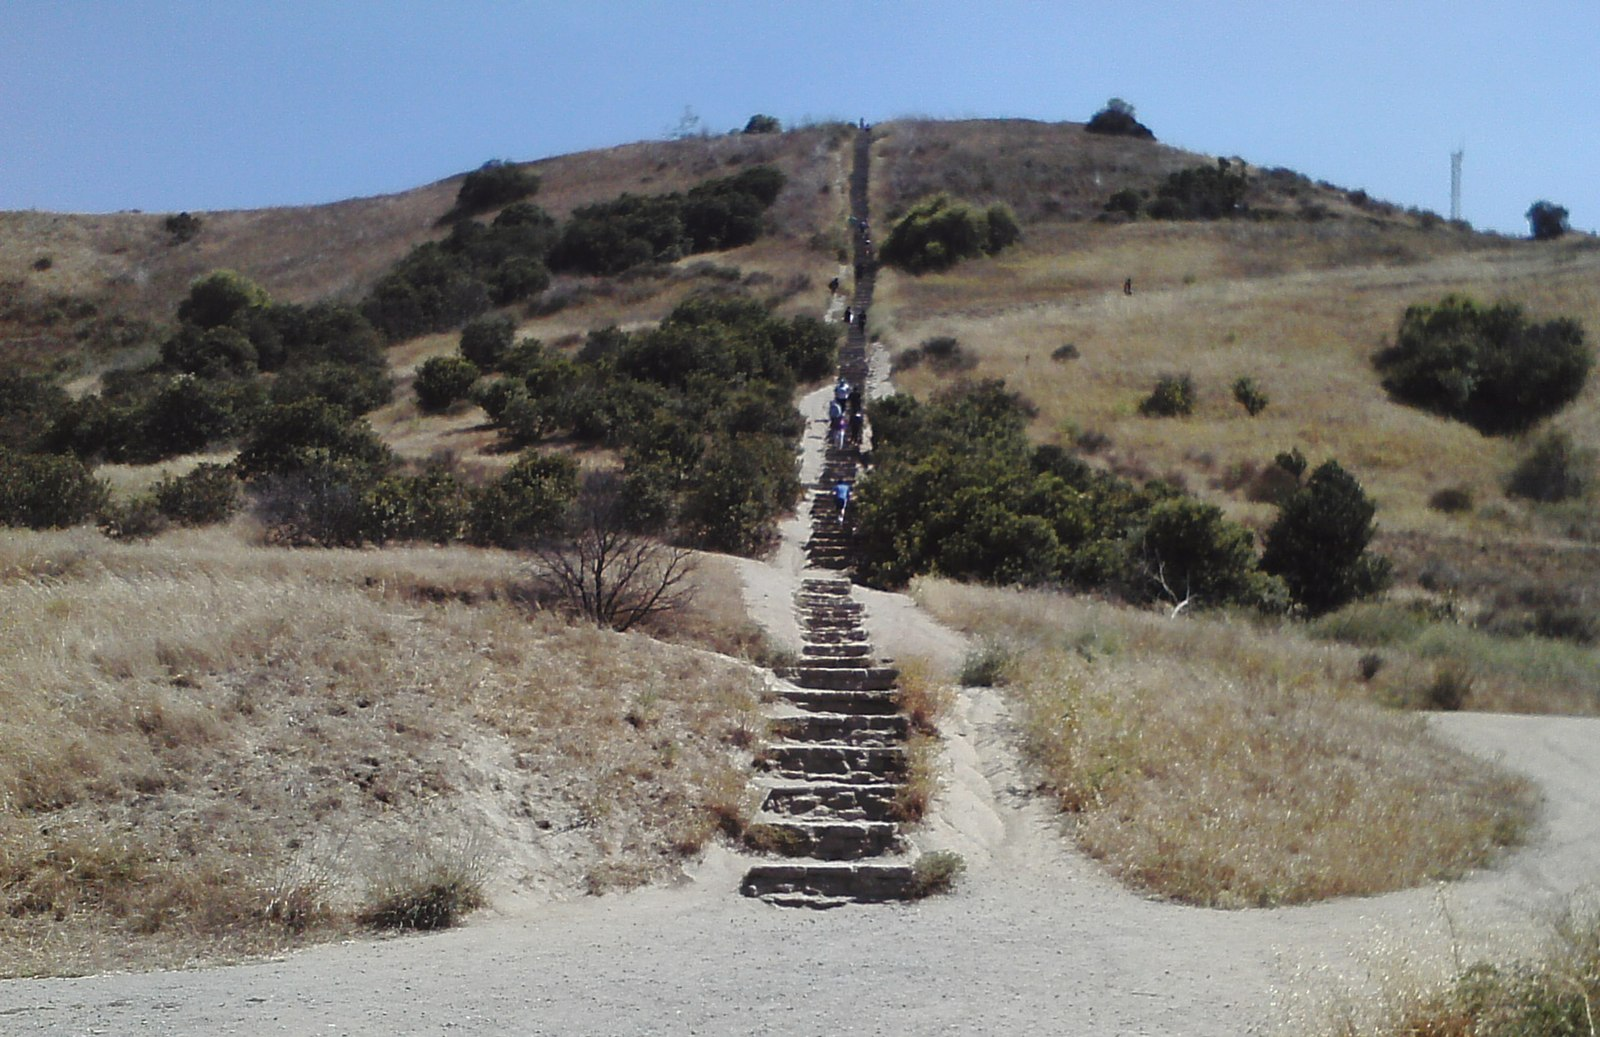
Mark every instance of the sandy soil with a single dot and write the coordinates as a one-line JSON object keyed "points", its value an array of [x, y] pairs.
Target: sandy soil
{"points": [[1036, 940]]}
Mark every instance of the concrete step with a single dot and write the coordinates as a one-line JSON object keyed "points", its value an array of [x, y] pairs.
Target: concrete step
{"points": [[823, 885], [856, 764], [843, 728], [837, 637], [824, 840], [816, 652], [868, 678], [843, 801]]}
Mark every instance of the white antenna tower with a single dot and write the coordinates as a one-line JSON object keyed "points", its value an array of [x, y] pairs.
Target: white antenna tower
{"points": [[1455, 183]]}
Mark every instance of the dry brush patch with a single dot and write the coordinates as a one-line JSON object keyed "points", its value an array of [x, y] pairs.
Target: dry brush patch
{"points": [[211, 750], [1222, 765]]}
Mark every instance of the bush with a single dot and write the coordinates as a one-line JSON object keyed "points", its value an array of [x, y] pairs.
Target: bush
{"points": [[1318, 544], [1200, 193], [1187, 552], [29, 404], [936, 872], [1452, 500], [1172, 397], [47, 491], [741, 486], [1554, 470], [1249, 395], [493, 184], [763, 124], [1116, 119], [987, 665], [442, 380], [135, 519], [296, 436], [430, 506], [181, 227], [221, 297], [355, 389], [208, 494], [525, 505], [1066, 352], [485, 340], [1547, 221], [218, 352], [1127, 201], [938, 232], [1491, 368]]}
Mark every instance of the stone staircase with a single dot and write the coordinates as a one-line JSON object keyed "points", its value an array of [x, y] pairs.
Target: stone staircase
{"points": [[837, 759]]}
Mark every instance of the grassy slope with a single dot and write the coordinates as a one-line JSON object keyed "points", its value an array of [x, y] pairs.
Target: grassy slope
{"points": [[1299, 305]]}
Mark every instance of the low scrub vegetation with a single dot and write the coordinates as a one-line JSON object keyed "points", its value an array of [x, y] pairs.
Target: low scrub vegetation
{"points": [[1218, 764]]}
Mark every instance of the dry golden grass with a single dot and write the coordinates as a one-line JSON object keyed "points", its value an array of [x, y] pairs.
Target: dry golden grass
{"points": [[1220, 764], [210, 748]]}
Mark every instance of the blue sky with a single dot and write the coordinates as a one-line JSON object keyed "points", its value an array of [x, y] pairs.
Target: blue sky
{"points": [[215, 104]]}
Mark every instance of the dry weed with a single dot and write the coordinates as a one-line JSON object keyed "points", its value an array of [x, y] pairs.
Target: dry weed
{"points": [[208, 745], [1219, 764]]}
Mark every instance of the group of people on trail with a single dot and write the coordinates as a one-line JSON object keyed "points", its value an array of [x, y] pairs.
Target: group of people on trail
{"points": [[846, 420]]}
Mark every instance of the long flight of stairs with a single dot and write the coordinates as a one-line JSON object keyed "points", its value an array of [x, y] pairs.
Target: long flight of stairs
{"points": [[834, 770]]}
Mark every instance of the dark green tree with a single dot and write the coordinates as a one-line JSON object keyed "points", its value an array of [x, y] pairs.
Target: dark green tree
{"points": [[1318, 544], [1547, 221]]}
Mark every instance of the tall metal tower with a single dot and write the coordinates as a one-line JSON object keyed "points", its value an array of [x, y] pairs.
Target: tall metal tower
{"points": [[1455, 183]]}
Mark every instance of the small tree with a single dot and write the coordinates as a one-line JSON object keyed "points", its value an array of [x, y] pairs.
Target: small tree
{"points": [[1554, 470], [1318, 544], [762, 124], [608, 573], [219, 298], [494, 183], [1116, 120], [486, 339], [442, 380], [1547, 220]]}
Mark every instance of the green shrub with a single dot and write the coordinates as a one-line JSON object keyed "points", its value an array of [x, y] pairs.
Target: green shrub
{"points": [[936, 872], [1553, 470], [742, 485], [987, 665], [1318, 543], [29, 405], [1065, 352], [486, 340], [221, 297], [430, 506], [136, 519], [47, 491], [493, 184], [1249, 395], [763, 124], [320, 502], [1491, 368], [526, 504], [219, 352], [355, 389], [290, 437], [1172, 397], [938, 232], [1187, 551], [442, 380], [208, 494], [1127, 201], [1200, 193]]}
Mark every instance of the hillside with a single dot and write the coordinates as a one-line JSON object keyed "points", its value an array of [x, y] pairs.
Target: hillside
{"points": [[331, 712]]}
